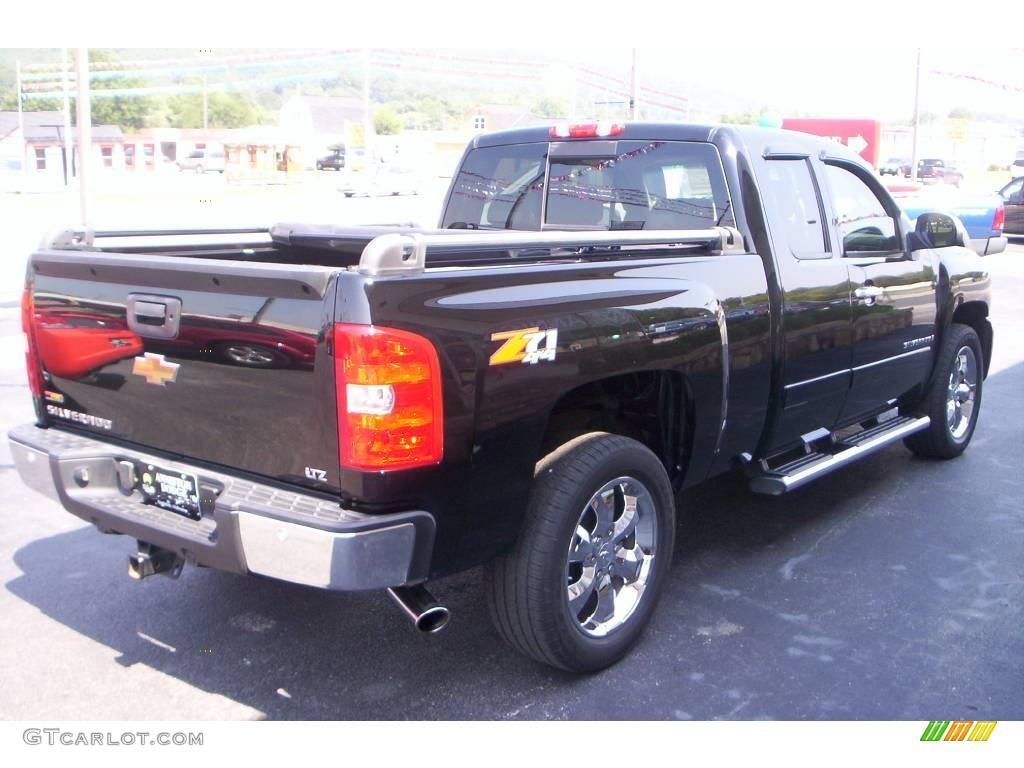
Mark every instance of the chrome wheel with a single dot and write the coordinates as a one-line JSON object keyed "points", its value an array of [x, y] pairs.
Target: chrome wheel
{"points": [[246, 355], [610, 556], [963, 384]]}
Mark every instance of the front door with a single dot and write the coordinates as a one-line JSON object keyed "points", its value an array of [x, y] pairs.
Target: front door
{"points": [[893, 291], [816, 321]]}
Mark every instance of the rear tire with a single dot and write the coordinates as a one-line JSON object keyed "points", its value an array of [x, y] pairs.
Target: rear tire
{"points": [[585, 574], [953, 399]]}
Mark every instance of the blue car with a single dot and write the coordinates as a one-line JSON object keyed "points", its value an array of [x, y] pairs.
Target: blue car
{"points": [[983, 216]]}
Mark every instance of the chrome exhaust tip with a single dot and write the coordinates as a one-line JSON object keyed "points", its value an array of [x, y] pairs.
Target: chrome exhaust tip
{"points": [[428, 615]]}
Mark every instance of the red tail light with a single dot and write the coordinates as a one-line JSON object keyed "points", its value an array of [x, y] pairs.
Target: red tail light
{"points": [[389, 398], [586, 130], [999, 219], [35, 372]]}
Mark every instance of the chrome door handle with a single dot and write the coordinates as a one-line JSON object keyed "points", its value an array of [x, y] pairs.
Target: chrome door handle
{"points": [[868, 294]]}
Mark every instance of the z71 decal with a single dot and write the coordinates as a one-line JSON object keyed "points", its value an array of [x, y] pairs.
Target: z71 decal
{"points": [[529, 345]]}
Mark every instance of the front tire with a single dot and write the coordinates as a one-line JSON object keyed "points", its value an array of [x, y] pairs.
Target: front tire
{"points": [[585, 574], [953, 399]]}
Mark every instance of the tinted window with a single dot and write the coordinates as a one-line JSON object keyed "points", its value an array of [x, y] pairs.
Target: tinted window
{"points": [[499, 188], [794, 198], [863, 223], [644, 185]]}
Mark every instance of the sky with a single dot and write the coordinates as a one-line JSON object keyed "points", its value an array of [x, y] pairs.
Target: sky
{"points": [[813, 81], [813, 57], [846, 83]]}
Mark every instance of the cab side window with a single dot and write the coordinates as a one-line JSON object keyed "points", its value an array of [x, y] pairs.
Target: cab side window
{"points": [[793, 195], [863, 224]]}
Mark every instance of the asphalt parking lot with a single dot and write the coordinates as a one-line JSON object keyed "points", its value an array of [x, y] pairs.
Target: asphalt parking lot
{"points": [[893, 589]]}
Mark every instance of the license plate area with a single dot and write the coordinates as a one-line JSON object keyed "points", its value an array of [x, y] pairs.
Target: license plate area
{"points": [[171, 490]]}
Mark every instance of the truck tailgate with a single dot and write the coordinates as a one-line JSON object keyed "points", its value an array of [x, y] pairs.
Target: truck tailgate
{"points": [[218, 361]]}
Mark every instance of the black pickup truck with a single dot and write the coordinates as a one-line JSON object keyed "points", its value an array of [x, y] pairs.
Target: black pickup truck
{"points": [[606, 314]]}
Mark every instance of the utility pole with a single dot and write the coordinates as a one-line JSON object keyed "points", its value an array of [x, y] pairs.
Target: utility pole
{"points": [[917, 118], [367, 120], [21, 123], [206, 104], [69, 142], [575, 90], [633, 106], [84, 119]]}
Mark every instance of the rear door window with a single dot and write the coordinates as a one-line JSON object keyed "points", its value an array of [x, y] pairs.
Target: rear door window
{"points": [[794, 199]]}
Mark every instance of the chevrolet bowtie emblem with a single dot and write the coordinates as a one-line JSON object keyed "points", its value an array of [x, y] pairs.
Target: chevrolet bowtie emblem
{"points": [[155, 369]]}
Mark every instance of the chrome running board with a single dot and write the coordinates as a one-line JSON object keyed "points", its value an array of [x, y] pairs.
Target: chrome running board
{"points": [[800, 471]]}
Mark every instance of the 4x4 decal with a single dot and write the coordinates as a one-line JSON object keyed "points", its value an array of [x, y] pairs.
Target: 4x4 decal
{"points": [[528, 345]]}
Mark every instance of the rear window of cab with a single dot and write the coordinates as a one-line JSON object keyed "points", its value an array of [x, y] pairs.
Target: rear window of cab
{"points": [[648, 185]]}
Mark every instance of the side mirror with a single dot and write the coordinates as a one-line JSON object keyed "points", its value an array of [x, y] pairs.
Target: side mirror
{"points": [[940, 230]]}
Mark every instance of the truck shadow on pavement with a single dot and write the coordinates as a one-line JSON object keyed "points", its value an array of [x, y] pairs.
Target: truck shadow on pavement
{"points": [[766, 614]]}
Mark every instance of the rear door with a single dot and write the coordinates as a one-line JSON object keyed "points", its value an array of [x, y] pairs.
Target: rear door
{"points": [[208, 360]]}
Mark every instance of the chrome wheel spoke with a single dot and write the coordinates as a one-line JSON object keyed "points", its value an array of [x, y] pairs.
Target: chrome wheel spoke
{"points": [[581, 591], [605, 610], [967, 409], [603, 505], [582, 548], [626, 523], [628, 564]]}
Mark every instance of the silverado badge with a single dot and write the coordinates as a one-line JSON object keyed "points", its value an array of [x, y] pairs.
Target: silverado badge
{"points": [[154, 369]]}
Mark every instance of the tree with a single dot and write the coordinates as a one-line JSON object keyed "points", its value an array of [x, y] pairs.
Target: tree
{"points": [[128, 112], [748, 117], [386, 122], [549, 107], [224, 110]]}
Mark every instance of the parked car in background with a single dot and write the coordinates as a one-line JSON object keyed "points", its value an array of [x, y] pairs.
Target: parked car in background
{"points": [[981, 215], [332, 162], [1017, 169], [937, 170], [385, 180], [1013, 200], [202, 160], [895, 166]]}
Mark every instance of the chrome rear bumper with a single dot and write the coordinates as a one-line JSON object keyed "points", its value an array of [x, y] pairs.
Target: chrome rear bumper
{"points": [[246, 527]]}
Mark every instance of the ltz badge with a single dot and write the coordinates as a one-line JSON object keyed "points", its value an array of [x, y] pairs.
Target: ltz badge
{"points": [[529, 345]]}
